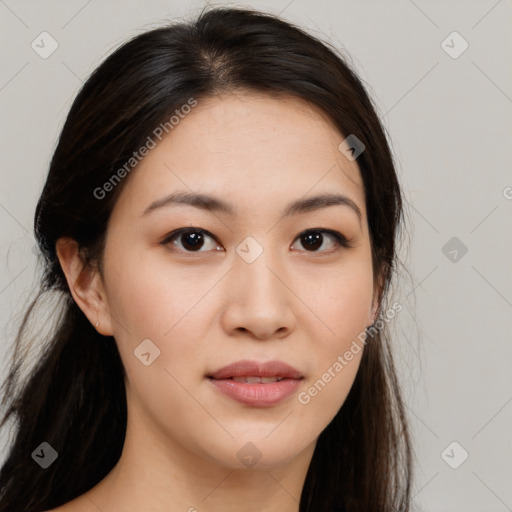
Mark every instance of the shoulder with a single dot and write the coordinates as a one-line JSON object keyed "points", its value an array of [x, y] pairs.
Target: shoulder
{"points": [[67, 507], [77, 505]]}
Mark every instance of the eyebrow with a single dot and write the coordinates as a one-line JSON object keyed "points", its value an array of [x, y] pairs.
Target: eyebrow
{"points": [[213, 204]]}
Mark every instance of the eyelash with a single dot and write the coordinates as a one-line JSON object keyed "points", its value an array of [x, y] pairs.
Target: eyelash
{"points": [[340, 240]]}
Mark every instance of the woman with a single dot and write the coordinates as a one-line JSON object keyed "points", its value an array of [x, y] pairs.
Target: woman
{"points": [[219, 223]]}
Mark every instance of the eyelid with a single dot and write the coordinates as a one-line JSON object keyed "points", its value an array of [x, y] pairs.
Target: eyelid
{"points": [[341, 240], [189, 229]]}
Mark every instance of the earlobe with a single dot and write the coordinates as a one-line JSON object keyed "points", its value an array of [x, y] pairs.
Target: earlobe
{"points": [[85, 285], [374, 311], [376, 300]]}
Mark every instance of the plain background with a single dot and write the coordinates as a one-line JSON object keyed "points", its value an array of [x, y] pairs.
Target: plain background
{"points": [[449, 120]]}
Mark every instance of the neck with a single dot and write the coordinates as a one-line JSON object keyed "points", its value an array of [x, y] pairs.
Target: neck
{"points": [[157, 474]]}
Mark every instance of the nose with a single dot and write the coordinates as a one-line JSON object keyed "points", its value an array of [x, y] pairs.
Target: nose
{"points": [[259, 300]]}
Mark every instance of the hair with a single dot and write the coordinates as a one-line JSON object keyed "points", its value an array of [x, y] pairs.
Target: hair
{"points": [[74, 395]]}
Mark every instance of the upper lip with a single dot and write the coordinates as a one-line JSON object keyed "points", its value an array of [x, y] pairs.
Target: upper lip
{"points": [[247, 368]]}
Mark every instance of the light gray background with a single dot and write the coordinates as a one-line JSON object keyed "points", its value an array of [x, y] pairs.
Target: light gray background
{"points": [[450, 124]]}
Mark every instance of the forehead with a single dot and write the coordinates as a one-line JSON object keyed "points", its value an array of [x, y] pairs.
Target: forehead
{"points": [[253, 149]]}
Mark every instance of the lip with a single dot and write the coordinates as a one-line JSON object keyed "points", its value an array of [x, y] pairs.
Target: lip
{"points": [[246, 368], [257, 394]]}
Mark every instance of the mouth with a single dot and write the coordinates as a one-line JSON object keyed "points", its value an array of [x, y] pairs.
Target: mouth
{"points": [[253, 379], [257, 384], [256, 372]]}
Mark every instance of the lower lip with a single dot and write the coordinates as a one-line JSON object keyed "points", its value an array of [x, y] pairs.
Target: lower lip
{"points": [[258, 394]]}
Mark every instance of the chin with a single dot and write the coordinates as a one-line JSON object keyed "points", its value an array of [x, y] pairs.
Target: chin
{"points": [[256, 453]]}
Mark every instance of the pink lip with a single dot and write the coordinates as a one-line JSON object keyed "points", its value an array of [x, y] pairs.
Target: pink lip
{"points": [[246, 368], [257, 394]]}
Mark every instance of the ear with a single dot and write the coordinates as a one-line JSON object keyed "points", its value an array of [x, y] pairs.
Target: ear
{"points": [[377, 290], [375, 308], [85, 285]]}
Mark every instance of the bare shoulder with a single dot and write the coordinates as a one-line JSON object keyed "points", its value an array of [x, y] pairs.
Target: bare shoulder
{"points": [[80, 504], [67, 507]]}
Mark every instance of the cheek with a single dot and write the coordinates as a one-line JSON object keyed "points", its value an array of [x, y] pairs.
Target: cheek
{"points": [[342, 302], [146, 294], [342, 299], [174, 306], [151, 301]]}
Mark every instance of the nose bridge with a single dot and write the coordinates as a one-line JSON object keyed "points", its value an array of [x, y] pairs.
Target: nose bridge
{"points": [[258, 299], [256, 267]]}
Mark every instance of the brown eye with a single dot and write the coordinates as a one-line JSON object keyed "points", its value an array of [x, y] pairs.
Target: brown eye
{"points": [[314, 239], [191, 240], [196, 240]]}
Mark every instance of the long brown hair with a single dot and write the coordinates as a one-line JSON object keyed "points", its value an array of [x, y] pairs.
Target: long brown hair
{"points": [[74, 397]]}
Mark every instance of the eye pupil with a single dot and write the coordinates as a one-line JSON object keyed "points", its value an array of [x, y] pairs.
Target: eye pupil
{"points": [[313, 240], [193, 240]]}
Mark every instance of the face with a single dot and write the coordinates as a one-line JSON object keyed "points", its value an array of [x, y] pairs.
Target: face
{"points": [[193, 288]]}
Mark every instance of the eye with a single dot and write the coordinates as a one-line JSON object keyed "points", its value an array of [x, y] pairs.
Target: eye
{"points": [[315, 239], [191, 240]]}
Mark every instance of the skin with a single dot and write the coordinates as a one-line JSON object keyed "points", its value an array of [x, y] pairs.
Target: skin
{"points": [[207, 309]]}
